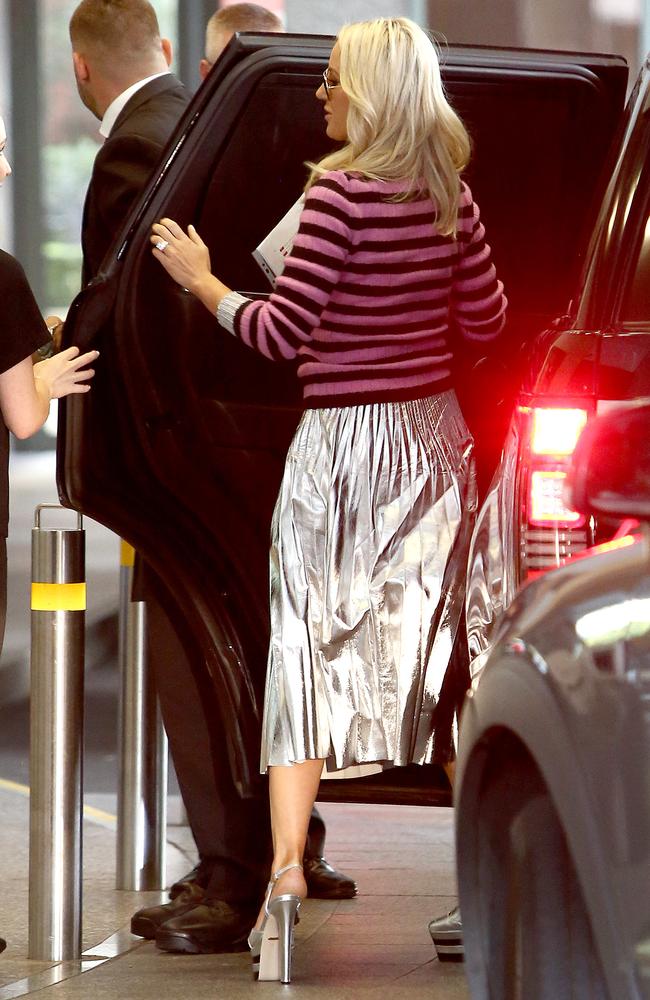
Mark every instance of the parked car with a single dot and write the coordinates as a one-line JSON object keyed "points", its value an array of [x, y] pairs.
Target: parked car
{"points": [[553, 795], [180, 447], [595, 356]]}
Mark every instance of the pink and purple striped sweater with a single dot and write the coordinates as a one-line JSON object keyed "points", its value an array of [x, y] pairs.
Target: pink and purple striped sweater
{"points": [[369, 292]]}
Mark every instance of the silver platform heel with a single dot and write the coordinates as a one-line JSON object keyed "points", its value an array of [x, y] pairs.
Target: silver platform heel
{"points": [[271, 944]]}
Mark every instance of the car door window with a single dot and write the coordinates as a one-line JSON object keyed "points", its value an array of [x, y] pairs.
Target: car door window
{"points": [[261, 173]]}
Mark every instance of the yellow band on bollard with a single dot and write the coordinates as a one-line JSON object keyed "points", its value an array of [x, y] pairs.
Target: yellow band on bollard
{"points": [[127, 554], [58, 596]]}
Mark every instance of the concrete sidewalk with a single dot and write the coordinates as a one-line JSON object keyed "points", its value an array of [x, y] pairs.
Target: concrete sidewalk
{"points": [[378, 943]]}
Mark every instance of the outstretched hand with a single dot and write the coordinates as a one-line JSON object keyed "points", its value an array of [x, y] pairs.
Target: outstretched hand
{"points": [[184, 256], [66, 372]]}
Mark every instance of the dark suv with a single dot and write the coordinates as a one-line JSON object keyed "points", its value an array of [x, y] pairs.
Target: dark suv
{"points": [[553, 797], [592, 358], [180, 446]]}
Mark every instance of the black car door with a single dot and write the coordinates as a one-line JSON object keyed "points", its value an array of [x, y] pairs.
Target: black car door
{"points": [[179, 447]]}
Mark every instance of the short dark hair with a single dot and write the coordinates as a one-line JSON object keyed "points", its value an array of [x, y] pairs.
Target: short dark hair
{"points": [[238, 17], [247, 17], [120, 30]]}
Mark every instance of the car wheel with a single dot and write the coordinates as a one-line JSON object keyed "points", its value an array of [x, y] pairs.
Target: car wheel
{"points": [[529, 917]]}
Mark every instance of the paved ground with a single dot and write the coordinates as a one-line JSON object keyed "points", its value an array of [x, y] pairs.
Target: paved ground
{"points": [[376, 944]]}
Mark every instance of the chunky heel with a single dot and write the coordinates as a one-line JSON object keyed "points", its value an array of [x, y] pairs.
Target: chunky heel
{"points": [[271, 945], [284, 910], [447, 936]]}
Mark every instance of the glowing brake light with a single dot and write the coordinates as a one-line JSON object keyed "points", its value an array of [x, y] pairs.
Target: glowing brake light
{"points": [[546, 504], [556, 431], [551, 532]]}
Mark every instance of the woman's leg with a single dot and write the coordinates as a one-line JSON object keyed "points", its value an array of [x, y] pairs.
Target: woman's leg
{"points": [[293, 792]]}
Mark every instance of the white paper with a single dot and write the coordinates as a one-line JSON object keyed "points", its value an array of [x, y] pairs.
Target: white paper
{"points": [[274, 248]]}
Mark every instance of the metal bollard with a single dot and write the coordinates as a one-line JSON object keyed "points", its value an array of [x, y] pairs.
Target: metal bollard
{"points": [[142, 792], [56, 739]]}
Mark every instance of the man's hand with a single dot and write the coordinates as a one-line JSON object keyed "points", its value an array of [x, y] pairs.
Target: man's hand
{"points": [[56, 326]]}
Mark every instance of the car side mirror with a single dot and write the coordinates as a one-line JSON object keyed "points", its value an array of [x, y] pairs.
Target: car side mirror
{"points": [[610, 467]]}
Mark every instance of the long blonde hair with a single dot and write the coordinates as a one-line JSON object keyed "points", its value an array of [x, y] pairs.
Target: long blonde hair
{"points": [[400, 124]]}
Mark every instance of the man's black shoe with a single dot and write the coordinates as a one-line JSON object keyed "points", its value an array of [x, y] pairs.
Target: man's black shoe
{"points": [[212, 926], [146, 922], [324, 882], [192, 878], [447, 936]]}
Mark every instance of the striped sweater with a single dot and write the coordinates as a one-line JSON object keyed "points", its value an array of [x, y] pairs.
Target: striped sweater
{"points": [[369, 292]]}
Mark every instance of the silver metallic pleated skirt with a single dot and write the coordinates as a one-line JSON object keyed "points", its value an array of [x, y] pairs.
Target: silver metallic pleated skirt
{"points": [[369, 545]]}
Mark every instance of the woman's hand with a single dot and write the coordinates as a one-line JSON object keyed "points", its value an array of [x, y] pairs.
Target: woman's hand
{"points": [[184, 256], [186, 259], [65, 372]]}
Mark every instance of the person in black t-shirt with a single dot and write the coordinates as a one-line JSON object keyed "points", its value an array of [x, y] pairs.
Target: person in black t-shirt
{"points": [[26, 389]]}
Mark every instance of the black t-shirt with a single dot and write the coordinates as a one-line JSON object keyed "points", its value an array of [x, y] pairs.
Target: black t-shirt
{"points": [[22, 331]]}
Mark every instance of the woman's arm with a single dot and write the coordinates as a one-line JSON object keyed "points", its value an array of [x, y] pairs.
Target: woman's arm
{"points": [[26, 390], [279, 326], [478, 304]]}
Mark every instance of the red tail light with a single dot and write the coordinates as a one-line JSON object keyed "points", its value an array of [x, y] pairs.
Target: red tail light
{"points": [[549, 535], [546, 504], [554, 432]]}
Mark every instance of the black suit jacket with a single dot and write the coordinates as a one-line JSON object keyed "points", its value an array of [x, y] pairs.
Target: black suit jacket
{"points": [[125, 163]]}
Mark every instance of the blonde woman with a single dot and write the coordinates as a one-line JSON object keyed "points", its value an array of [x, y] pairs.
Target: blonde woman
{"points": [[389, 269]]}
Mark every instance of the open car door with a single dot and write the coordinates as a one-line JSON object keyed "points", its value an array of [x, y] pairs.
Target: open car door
{"points": [[179, 448]]}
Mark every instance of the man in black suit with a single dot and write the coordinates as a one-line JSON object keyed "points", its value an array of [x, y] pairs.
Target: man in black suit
{"points": [[122, 70], [139, 104]]}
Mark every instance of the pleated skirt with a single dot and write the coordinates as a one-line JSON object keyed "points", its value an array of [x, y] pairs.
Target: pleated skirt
{"points": [[369, 545]]}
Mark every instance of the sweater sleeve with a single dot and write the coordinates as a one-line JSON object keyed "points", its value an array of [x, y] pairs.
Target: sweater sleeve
{"points": [[477, 303], [279, 326]]}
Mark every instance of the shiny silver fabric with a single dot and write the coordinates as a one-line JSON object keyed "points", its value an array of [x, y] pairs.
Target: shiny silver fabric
{"points": [[368, 551], [493, 562]]}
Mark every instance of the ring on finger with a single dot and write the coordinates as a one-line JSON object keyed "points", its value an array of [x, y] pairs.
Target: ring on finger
{"points": [[162, 245]]}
